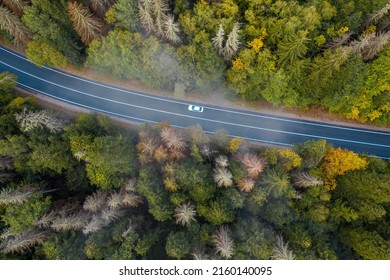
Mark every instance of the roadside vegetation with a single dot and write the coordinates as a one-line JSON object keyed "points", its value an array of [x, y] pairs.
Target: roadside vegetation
{"points": [[328, 54], [85, 188]]}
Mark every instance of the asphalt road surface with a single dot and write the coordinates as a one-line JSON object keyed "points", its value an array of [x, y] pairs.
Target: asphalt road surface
{"points": [[141, 107]]}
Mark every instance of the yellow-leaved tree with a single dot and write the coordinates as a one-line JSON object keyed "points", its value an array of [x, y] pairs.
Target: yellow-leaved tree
{"points": [[338, 161]]}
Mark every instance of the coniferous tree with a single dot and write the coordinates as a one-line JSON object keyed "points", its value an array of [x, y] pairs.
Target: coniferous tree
{"points": [[16, 5], [185, 214], [281, 250], [14, 27], [86, 25], [223, 243]]}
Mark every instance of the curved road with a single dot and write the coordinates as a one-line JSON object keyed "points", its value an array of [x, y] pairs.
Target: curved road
{"points": [[142, 107]]}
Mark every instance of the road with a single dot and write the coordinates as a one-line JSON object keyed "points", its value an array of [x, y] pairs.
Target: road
{"points": [[141, 107]]}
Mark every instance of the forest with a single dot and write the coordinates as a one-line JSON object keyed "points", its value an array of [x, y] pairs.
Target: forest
{"points": [[331, 55], [84, 187]]}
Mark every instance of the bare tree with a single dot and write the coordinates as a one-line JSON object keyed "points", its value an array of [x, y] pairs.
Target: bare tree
{"points": [[112, 214], [129, 185], [46, 220], [14, 26], [131, 199], [223, 243], [86, 25], [146, 148], [100, 6], [207, 151], [219, 39], [23, 242], [145, 15], [254, 164], [114, 200], [200, 254], [223, 177], [95, 202], [246, 185], [376, 45], [18, 195], [31, 120], [171, 30], [339, 41], [130, 229], [75, 221], [378, 15], [173, 138], [94, 225], [16, 6], [369, 45], [304, 180], [184, 214], [160, 8], [222, 161], [232, 43], [281, 250]]}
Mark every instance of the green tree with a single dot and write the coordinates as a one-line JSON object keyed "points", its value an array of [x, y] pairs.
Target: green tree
{"points": [[151, 186], [22, 217], [367, 244], [196, 179], [53, 156], [44, 54], [123, 14], [50, 23], [109, 159], [177, 245], [277, 182], [292, 49]]}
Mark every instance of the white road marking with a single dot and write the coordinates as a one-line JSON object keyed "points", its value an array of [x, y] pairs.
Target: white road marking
{"points": [[209, 108], [146, 120]]}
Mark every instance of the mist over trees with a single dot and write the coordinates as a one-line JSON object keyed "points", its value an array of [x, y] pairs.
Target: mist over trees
{"points": [[84, 188], [328, 54]]}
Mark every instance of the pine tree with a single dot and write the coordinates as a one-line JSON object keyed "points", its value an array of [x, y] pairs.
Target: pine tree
{"points": [[145, 15], [86, 25], [246, 185], [95, 202], [31, 120], [223, 177], [159, 8], [277, 182], [16, 5], [293, 49], [378, 15], [219, 39], [14, 26], [223, 243], [369, 45], [18, 195], [281, 250], [23, 242], [185, 214], [171, 30], [304, 180], [173, 138], [232, 43], [254, 164], [100, 6]]}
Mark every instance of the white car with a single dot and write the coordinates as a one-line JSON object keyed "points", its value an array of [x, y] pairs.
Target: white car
{"points": [[195, 108]]}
